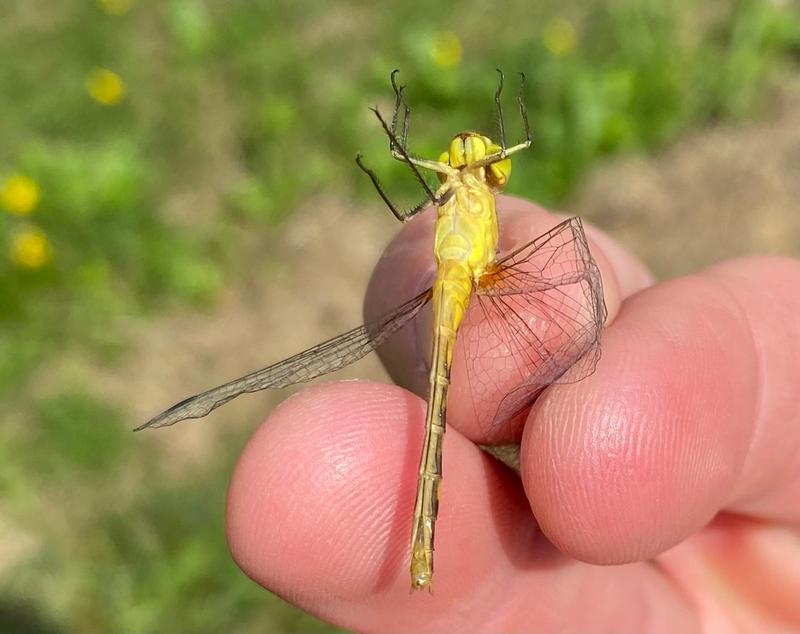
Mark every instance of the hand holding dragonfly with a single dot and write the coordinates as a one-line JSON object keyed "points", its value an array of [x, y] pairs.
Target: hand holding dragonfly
{"points": [[692, 412], [688, 416]]}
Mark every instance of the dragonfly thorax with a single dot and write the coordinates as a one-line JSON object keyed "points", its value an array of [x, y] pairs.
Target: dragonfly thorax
{"points": [[470, 149]]}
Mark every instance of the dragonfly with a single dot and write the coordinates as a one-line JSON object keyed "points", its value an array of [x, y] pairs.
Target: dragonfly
{"points": [[518, 322]]}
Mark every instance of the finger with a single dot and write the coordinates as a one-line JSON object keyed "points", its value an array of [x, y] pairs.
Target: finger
{"points": [[693, 409], [320, 508], [407, 268], [742, 574]]}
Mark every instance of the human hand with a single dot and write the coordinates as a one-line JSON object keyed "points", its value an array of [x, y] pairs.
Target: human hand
{"points": [[678, 460]]}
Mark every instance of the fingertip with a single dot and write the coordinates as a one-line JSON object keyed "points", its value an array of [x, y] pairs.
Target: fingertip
{"points": [[315, 481], [321, 503]]}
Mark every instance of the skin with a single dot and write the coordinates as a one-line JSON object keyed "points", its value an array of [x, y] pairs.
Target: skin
{"points": [[677, 461]]}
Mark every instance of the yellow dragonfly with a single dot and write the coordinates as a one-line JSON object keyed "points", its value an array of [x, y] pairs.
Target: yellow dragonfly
{"points": [[535, 319]]}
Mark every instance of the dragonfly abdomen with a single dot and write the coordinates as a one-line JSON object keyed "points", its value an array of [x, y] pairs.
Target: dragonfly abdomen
{"points": [[451, 293]]}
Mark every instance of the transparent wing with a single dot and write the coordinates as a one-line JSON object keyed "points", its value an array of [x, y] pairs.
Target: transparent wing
{"points": [[536, 320], [323, 358]]}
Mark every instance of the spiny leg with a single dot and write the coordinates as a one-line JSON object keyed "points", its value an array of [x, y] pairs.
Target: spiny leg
{"points": [[406, 119], [400, 214], [398, 99], [399, 102], [498, 111], [399, 151], [412, 163], [523, 113], [399, 146]]}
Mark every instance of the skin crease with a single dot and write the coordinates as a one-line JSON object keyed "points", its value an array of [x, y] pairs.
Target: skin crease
{"points": [[678, 461]]}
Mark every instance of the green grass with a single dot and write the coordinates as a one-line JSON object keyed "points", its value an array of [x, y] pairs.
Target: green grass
{"points": [[252, 107]]}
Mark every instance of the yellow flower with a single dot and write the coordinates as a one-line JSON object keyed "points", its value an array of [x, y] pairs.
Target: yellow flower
{"points": [[19, 195], [105, 86], [115, 7], [30, 248], [446, 50], [558, 37]]}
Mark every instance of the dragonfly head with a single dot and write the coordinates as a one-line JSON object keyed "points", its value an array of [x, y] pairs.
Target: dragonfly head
{"points": [[468, 148]]}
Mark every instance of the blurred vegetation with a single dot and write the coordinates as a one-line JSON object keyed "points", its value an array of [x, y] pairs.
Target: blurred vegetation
{"points": [[138, 137]]}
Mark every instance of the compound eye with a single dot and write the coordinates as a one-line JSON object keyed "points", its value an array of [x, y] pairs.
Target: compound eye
{"points": [[498, 173], [457, 158], [474, 149]]}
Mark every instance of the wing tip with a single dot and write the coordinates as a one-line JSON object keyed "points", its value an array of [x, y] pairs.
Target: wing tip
{"points": [[153, 423], [167, 417]]}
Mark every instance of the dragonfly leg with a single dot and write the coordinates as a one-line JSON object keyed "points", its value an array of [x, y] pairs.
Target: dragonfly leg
{"points": [[401, 214], [398, 142], [399, 152], [399, 103], [498, 111], [523, 113]]}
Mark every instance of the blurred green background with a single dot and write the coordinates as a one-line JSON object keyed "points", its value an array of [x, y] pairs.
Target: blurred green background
{"points": [[173, 176]]}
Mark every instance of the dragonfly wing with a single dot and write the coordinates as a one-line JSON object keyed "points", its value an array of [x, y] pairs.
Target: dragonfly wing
{"points": [[536, 321], [323, 358], [560, 257]]}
